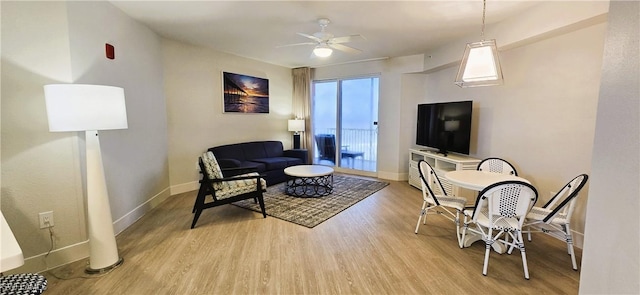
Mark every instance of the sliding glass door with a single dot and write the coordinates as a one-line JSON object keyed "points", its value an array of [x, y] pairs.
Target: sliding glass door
{"points": [[345, 115]]}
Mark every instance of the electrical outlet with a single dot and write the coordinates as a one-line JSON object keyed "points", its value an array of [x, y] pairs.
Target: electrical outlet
{"points": [[46, 219]]}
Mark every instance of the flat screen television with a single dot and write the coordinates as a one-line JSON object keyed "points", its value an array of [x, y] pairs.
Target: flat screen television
{"points": [[445, 126]]}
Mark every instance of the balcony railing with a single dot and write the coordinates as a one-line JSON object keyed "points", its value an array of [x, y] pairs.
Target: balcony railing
{"points": [[361, 140]]}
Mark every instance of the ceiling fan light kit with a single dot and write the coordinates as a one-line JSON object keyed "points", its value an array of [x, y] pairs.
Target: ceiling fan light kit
{"points": [[322, 50], [480, 65], [326, 42]]}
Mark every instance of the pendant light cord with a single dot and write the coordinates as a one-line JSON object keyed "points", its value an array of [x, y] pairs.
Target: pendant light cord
{"points": [[484, 10]]}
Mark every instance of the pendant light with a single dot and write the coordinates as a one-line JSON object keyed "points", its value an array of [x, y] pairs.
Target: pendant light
{"points": [[480, 64]]}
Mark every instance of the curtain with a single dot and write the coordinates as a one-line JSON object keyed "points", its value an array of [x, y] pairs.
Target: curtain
{"points": [[301, 105]]}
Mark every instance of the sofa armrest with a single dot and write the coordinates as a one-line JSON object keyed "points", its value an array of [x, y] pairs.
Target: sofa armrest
{"points": [[297, 153], [228, 163]]}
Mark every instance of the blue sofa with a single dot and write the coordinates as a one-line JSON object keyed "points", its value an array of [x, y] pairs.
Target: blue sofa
{"points": [[266, 157]]}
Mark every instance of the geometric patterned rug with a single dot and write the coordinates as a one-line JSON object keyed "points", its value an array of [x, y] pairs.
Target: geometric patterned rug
{"points": [[309, 212]]}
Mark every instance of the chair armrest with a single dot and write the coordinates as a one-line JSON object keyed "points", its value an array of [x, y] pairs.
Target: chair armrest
{"points": [[232, 178], [297, 153], [228, 172]]}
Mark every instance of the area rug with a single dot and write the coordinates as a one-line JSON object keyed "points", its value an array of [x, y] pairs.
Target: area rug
{"points": [[309, 212]]}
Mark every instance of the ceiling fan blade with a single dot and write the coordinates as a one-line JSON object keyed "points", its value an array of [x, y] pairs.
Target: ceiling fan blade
{"points": [[344, 48], [296, 44], [346, 39], [314, 38]]}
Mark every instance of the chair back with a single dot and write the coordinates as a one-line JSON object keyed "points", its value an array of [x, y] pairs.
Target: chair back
{"points": [[428, 179], [506, 201], [497, 165], [564, 201], [326, 144], [210, 169]]}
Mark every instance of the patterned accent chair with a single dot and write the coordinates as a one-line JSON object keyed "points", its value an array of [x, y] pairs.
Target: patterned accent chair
{"points": [[225, 190]]}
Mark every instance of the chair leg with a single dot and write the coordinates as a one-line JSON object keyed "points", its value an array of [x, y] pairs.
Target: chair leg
{"points": [[569, 240], [485, 266], [201, 194], [423, 214], [524, 255], [198, 205], [195, 217], [465, 225], [457, 221], [261, 201]]}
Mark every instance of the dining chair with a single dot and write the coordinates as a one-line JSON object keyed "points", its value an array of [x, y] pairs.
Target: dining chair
{"points": [[555, 215], [432, 200], [497, 165], [499, 213]]}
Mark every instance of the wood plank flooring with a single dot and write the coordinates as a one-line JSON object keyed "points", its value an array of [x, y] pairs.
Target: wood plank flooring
{"points": [[369, 248]]}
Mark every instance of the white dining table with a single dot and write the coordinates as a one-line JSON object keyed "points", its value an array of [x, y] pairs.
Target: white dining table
{"points": [[477, 181]]}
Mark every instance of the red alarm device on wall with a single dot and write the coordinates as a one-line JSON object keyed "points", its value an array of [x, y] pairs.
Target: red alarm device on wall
{"points": [[110, 51]]}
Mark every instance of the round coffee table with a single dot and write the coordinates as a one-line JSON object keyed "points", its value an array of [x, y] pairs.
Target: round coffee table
{"points": [[309, 181]]}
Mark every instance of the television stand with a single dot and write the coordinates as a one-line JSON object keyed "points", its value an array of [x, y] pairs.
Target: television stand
{"points": [[441, 164]]}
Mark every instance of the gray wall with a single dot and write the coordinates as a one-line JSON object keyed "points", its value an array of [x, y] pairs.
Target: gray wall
{"points": [[63, 42], [611, 260]]}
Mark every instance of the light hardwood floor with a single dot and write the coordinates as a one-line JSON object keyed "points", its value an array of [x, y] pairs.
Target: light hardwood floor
{"points": [[369, 248]]}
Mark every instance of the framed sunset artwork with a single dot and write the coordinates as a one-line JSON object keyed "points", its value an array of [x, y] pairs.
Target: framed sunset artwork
{"points": [[245, 94]]}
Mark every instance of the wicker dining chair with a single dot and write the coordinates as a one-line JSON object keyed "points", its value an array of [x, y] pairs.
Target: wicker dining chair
{"points": [[497, 165], [433, 200]]}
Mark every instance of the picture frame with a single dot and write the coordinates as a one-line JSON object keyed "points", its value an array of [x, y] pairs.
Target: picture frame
{"points": [[245, 94]]}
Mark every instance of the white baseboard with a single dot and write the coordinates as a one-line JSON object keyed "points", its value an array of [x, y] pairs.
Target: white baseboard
{"points": [[56, 258], [184, 187], [128, 219], [75, 252], [393, 176]]}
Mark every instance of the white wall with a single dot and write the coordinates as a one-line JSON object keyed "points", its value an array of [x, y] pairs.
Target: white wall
{"points": [[193, 86], [542, 119], [63, 42], [611, 259], [40, 169]]}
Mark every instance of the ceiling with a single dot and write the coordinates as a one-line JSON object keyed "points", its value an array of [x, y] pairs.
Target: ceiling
{"points": [[255, 29]]}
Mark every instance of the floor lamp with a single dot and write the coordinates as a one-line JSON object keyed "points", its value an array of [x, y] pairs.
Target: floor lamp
{"points": [[296, 126], [89, 108]]}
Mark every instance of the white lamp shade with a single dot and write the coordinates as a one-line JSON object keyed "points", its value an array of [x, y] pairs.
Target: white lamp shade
{"points": [[80, 107], [296, 125], [322, 51], [480, 65]]}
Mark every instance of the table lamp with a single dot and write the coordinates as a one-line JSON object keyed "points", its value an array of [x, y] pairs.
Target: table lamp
{"points": [[296, 126], [78, 107]]}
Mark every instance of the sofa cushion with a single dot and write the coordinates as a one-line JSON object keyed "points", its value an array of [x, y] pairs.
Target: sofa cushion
{"points": [[253, 150], [273, 149], [260, 167], [230, 151], [273, 163], [227, 189]]}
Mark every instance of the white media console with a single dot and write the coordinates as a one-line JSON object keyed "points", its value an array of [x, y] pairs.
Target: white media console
{"points": [[440, 164]]}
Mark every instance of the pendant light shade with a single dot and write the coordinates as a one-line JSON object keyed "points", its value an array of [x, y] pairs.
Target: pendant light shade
{"points": [[480, 65]]}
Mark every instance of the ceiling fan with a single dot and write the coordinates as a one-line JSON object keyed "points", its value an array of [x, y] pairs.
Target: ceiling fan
{"points": [[325, 42]]}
